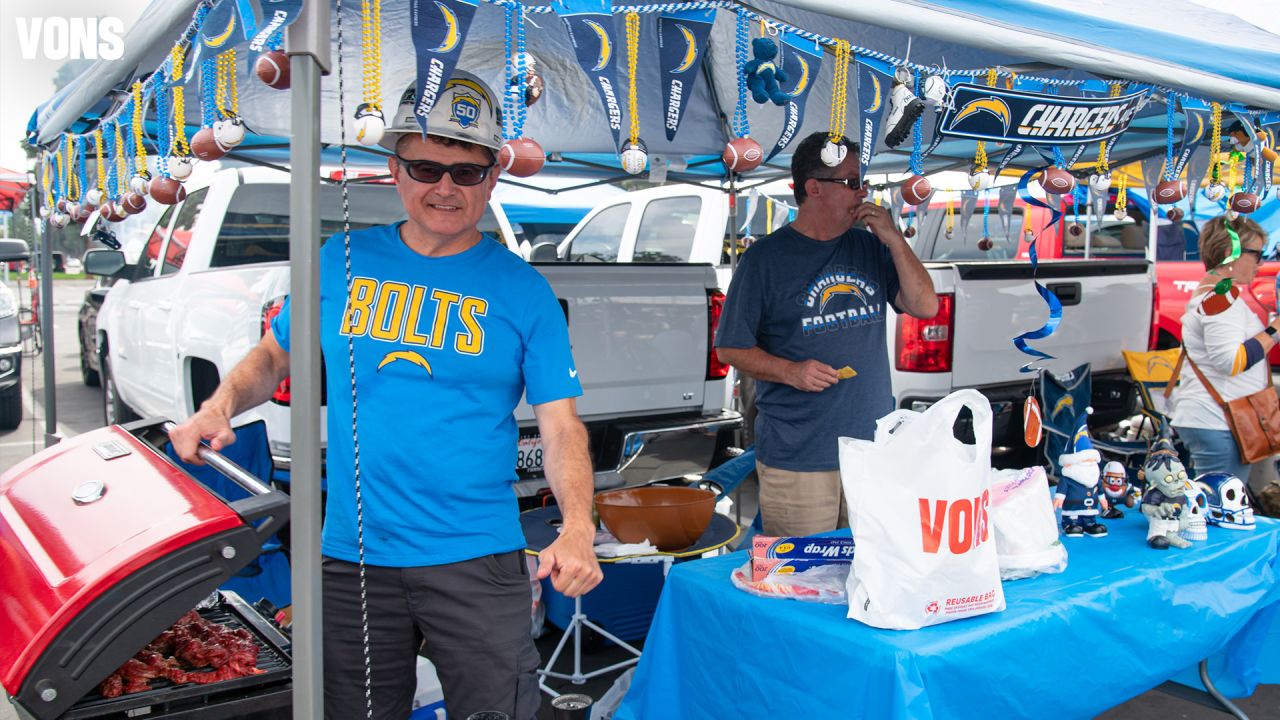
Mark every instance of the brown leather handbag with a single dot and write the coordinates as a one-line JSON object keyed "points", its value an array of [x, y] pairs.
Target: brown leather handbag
{"points": [[1254, 419]]}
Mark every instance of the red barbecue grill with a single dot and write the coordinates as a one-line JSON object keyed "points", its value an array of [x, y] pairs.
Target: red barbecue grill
{"points": [[104, 544]]}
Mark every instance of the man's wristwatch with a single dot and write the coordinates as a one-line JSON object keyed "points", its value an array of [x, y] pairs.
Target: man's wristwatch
{"points": [[1271, 330]]}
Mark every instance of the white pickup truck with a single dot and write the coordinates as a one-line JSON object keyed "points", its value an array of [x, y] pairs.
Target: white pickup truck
{"points": [[216, 267], [987, 299]]}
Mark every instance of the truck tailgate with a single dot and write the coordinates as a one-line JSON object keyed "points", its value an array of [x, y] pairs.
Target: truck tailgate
{"points": [[1105, 309], [639, 335]]}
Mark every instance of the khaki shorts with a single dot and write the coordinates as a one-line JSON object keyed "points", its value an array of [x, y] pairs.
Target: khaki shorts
{"points": [[800, 503]]}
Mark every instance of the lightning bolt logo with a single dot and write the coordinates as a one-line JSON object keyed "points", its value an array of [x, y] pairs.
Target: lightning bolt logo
{"points": [[409, 356], [1158, 362], [1063, 403], [875, 103], [216, 41], [803, 83], [606, 47], [451, 29], [1199, 128], [993, 105], [690, 50], [840, 289]]}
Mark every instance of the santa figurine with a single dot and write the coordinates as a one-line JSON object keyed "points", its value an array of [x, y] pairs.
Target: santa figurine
{"points": [[1115, 485], [1079, 494], [1164, 500]]}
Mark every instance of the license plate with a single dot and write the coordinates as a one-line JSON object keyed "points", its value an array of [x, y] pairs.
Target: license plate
{"points": [[529, 454]]}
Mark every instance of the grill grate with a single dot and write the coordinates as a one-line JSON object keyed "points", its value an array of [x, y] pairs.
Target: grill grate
{"points": [[231, 611]]}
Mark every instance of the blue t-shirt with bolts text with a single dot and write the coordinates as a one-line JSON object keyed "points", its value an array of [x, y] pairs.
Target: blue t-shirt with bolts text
{"points": [[444, 347], [800, 298]]}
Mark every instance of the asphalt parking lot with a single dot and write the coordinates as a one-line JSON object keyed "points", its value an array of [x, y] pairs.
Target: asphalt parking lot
{"points": [[79, 408]]}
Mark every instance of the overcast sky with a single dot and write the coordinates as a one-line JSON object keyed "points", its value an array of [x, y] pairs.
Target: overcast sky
{"points": [[25, 83]]}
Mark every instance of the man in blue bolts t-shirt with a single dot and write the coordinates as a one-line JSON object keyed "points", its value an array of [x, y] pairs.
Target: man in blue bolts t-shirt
{"points": [[442, 330], [805, 316]]}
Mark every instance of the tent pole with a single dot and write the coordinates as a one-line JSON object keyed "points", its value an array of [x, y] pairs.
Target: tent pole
{"points": [[46, 330], [308, 48]]}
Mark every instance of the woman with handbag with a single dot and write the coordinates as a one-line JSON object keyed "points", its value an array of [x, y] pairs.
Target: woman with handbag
{"points": [[1226, 346]]}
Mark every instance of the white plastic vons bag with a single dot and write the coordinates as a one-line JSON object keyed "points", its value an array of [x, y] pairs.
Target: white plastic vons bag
{"points": [[918, 506]]}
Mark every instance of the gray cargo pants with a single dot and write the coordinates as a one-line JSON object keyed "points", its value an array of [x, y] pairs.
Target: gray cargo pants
{"points": [[474, 615]]}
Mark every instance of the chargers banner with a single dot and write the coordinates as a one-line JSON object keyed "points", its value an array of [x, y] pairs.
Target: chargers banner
{"points": [[1198, 127], [276, 16], [590, 25], [682, 43], [225, 26], [1014, 116], [439, 29], [873, 98], [801, 61]]}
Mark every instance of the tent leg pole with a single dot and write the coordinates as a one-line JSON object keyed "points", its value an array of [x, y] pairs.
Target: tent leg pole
{"points": [[45, 327], [308, 47]]}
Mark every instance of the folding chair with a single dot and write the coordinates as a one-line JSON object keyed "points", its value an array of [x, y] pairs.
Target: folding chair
{"points": [[1150, 371]]}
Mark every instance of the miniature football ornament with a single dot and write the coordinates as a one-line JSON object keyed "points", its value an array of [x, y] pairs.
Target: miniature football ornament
{"points": [[634, 157], [272, 69], [205, 145], [916, 190], [114, 212], [1075, 229], [985, 244], [370, 125], [521, 157], [742, 155], [1174, 215], [134, 203], [180, 167], [909, 233], [1057, 181], [167, 191], [1244, 202], [1170, 191]]}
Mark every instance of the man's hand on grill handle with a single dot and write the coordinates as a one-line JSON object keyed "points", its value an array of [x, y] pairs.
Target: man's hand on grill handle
{"points": [[210, 424]]}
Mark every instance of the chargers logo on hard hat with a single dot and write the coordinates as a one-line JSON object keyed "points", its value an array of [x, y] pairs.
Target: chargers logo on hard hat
{"points": [[465, 110]]}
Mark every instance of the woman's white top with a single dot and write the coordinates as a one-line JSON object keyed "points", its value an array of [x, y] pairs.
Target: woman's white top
{"points": [[1213, 341]]}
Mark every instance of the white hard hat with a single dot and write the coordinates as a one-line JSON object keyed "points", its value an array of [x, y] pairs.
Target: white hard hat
{"points": [[464, 110]]}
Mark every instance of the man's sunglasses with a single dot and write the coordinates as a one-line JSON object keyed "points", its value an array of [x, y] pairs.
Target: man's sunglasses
{"points": [[854, 183], [425, 171]]}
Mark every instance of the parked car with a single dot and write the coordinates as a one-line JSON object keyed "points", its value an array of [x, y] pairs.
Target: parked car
{"points": [[87, 325], [216, 267], [10, 343]]}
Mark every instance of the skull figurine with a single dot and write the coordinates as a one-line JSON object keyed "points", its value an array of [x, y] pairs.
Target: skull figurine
{"points": [[1228, 503], [1191, 524]]}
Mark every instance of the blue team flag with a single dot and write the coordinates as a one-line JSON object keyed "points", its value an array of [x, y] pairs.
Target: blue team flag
{"points": [[439, 29], [682, 44], [801, 62], [590, 26]]}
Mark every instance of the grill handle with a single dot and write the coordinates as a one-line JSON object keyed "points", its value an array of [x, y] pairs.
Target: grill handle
{"points": [[263, 503]]}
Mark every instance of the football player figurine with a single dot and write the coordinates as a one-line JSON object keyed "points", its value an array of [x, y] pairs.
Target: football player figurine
{"points": [[1079, 494], [1164, 500], [1115, 485]]}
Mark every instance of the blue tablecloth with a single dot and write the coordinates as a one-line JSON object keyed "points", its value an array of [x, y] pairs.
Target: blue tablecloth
{"points": [[1120, 620]]}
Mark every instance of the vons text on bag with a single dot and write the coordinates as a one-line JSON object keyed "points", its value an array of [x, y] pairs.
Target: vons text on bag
{"points": [[964, 520]]}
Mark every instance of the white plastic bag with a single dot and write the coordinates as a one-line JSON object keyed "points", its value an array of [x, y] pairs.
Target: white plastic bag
{"points": [[1026, 530], [918, 506]]}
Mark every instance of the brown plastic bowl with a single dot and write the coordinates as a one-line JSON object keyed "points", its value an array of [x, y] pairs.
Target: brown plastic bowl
{"points": [[672, 518]]}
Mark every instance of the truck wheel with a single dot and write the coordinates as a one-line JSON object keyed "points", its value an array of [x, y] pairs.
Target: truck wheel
{"points": [[87, 374], [11, 408], [114, 409]]}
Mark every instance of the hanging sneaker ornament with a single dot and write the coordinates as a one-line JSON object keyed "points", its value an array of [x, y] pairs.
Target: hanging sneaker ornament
{"points": [[370, 125], [634, 156], [904, 108], [180, 167]]}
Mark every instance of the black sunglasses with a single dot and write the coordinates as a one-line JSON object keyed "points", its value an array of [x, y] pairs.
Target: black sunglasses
{"points": [[465, 174], [1257, 254], [854, 183]]}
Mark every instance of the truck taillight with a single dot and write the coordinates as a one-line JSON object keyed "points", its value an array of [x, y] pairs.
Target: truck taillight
{"points": [[925, 345], [716, 369], [269, 311], [1153, 338]]}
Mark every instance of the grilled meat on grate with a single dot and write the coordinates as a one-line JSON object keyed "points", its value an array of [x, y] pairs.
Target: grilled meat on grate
{"points": [[180, 655]]}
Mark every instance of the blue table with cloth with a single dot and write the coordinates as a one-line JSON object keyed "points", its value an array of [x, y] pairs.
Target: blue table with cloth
{"points": [[1120, 620]]}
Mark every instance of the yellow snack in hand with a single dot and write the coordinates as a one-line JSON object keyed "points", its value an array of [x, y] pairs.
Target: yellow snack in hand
{"points": [[846, 372]]}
